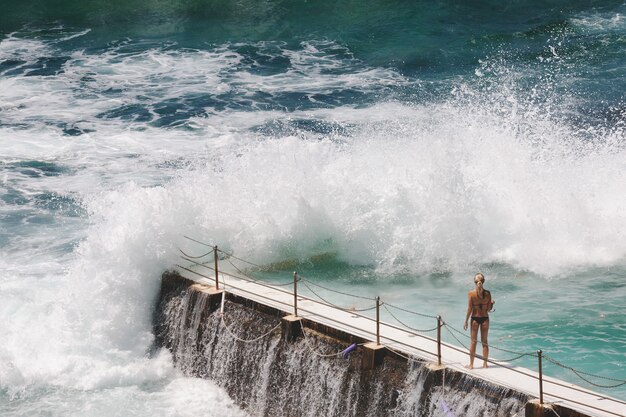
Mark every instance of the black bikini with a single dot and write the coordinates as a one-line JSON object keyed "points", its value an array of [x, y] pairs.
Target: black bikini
{"points": [[480, 320]]}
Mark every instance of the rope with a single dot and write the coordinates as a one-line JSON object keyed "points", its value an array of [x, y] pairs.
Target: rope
{"points": [[405, 325], [257, 279], [520, 354], [335, 305], [234, 336], [338, 292], [196, 257], [412, 312], [197, 241], [306, 341], [239, 270], [198, 263], [408, 358], [230, 255], [452, 334], [285, 284], [515, 358], [554, 411], [395, 352], [580, 373]]}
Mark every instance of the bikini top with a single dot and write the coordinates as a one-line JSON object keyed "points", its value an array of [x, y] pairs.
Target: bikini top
{"points": [[486, 302]]}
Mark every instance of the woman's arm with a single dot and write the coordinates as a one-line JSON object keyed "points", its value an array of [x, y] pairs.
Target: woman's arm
{"points": [[491, 302]]}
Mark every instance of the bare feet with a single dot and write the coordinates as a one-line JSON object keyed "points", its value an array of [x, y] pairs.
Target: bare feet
{"points": [[469, 366], [485, 365]]}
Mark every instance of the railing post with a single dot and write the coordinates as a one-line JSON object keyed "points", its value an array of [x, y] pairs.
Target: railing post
{"points": [[295, 294], [292, 324], [439, 340], [215, 256], [378, 320], [540, 378]]}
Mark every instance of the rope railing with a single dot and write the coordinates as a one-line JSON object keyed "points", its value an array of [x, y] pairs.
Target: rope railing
{"points": [[406, 325], [521, 354], [581, 373], [255, 279], [336, 291], [256, 339], [430, 316], [315, 352], [498, 362], [239, 288], [197, 241], [539, 378], [308, 283], [242, 277], [230, 255], [356, 314], [196, 257], [404, 356], [323, 303]]}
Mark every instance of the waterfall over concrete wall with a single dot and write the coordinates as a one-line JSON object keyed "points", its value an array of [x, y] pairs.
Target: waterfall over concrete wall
{"points": [[274, 377]]}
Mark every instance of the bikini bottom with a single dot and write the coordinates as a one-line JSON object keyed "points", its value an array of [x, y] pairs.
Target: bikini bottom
{"points": [[480, 320]]}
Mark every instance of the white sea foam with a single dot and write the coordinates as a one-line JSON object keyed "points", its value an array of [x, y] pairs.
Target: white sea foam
{"points": [[177, 397], [446, 185]]}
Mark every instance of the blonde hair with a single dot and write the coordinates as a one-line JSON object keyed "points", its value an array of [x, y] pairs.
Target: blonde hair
{"points": [[482, 277]]}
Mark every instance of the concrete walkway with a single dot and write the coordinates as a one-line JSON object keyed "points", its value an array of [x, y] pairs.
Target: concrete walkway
{"points": [[406, 342]]}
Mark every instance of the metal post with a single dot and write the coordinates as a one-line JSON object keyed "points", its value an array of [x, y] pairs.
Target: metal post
{"points": [[378, 320], [295, 294], [215, 256], [540, 378], [439, 340]]}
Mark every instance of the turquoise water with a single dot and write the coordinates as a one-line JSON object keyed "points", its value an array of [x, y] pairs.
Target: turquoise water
{"points": [[390, 149]]}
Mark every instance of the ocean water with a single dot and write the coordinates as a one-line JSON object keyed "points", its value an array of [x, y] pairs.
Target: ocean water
{"points": [[389, 148]]}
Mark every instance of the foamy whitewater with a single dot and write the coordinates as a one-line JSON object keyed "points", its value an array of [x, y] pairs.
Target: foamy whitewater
{"points": [[364, 169]]}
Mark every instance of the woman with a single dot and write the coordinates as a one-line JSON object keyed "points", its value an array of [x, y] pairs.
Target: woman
{"points": [[479, 303]]}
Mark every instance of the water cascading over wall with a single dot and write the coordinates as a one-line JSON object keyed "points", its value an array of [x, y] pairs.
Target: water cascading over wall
{"points": [[274, 377]]}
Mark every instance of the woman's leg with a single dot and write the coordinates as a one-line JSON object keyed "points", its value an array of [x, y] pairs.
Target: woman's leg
{"points": [[473, 341], [484, 330]]}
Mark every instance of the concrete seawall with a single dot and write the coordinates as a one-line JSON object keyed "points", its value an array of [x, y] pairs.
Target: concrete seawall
{"points": [[271, 367]]}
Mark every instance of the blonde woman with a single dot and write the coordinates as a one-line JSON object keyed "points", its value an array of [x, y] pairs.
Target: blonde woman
{"points": [[479, 303]]}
